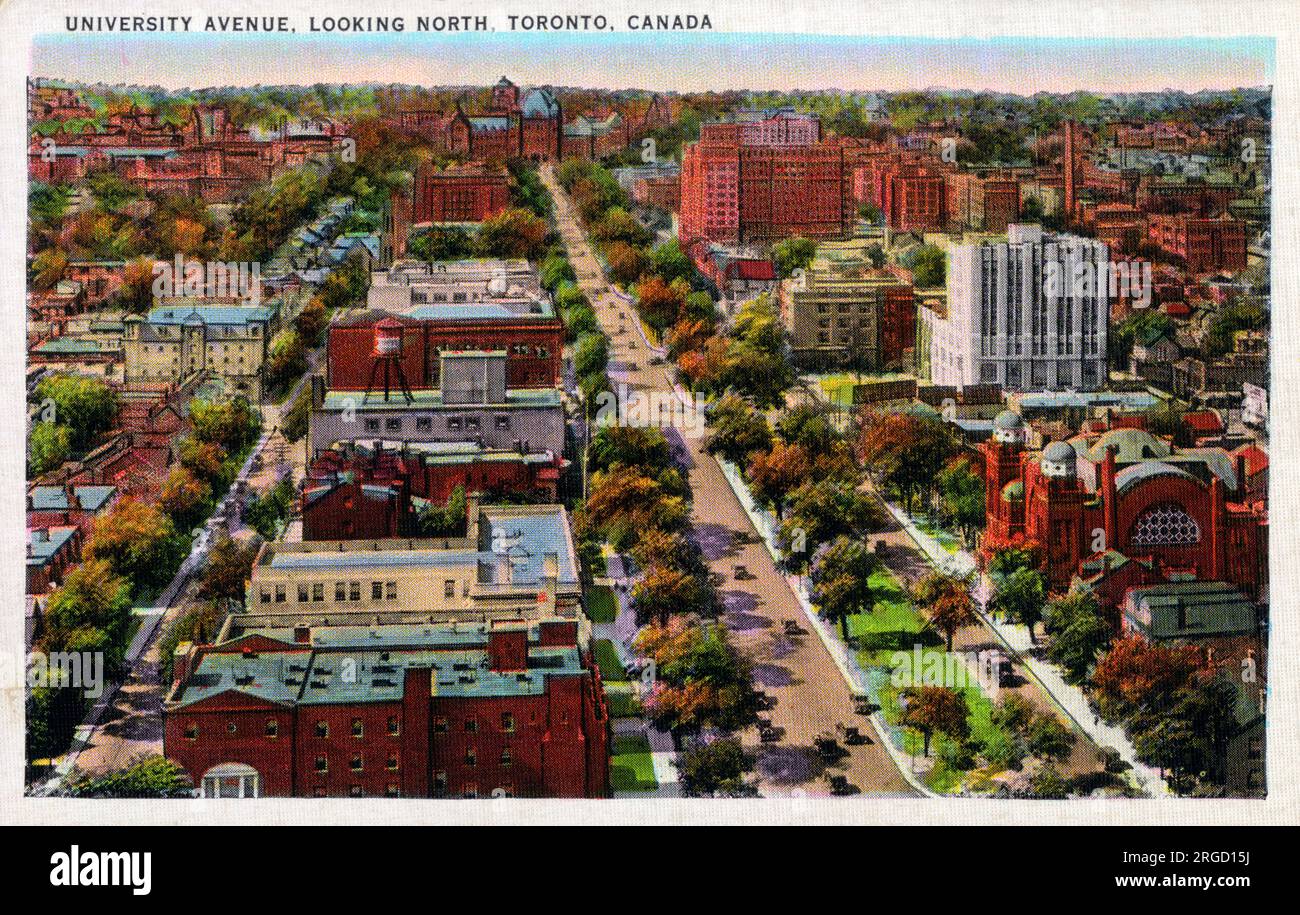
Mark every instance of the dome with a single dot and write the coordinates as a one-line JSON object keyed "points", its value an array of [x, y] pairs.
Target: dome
{"points": [[1059, 460], [1059, 453], [1008, 419], [1009, 428]]}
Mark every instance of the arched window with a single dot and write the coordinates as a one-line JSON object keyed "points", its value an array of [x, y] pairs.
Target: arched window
{"points": [[1166, 524]]}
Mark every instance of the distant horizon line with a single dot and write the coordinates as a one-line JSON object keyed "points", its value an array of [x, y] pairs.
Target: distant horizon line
{"points": [[820, 90]]}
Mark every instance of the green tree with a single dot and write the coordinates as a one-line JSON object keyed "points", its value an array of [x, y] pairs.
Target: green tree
{"points": [[738, 430], [716, 769], [934, 710], [139, 542], [1078, 631], [1020, 596], [1049, 739], [90, 611], [151, 777], [447, 520], [591, 355], [841, 582], [791, 254], [87, 406], [228, 570], [48, 446], [929, 267], [1047, 784]]}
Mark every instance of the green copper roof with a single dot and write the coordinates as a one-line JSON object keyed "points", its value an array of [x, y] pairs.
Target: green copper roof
{"points": [[1207, 608]]}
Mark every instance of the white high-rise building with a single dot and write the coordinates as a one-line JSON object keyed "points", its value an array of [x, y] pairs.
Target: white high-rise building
{"points": [[1029, 313]]}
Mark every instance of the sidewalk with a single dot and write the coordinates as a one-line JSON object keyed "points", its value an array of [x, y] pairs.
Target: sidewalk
{"points": [[663, 754], [1070, 698]]}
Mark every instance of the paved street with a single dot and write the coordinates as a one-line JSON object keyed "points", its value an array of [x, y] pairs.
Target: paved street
{"points": [[799, 673], [127, 722]]}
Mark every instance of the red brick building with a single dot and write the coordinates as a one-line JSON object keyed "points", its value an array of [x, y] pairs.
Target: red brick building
{"points": [[369, 493], [459, 193], [1203, 245], [460, 710], [1128, 492], [534, 345], [731, 192]]}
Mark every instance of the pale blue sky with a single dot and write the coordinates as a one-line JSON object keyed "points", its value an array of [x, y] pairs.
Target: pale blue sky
{"points": [[660, 61]]}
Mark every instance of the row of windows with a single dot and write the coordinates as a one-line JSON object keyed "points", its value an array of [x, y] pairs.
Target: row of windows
{"points": [[343, 591], [356, 764], [272, 728], [443, 725], [425, 423]]}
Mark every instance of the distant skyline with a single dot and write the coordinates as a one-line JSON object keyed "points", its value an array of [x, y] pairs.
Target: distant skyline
{"points": [[661, 61]]}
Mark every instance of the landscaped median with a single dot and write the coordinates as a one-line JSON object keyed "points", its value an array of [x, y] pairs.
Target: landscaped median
{"points": [[895, 626]]}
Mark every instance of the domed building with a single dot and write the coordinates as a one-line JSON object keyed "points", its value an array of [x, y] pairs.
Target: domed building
{"points": [[1130, 494]]}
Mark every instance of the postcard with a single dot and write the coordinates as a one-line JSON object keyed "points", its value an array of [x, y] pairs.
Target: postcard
{"points": [[646, 412]]}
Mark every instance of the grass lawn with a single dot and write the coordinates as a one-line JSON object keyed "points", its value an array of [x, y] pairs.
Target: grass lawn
{"points": [[893, 626], [631, 767], [602, 605], [623, 702], [611, 668]]}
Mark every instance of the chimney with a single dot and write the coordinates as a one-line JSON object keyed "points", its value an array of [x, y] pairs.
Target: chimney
{"points": [[182, 659], [70, 496], [508, 649]]}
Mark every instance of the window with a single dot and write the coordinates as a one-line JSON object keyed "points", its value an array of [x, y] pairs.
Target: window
{"points": [[231, 727], [440, 725], [358, 728], [354, 590], [372, 425], [440, 782], [322, 765], [355, 791], [507, 722], [390, 590], [357, 762], [318, 592], [392, 762], [471, 725], [1166, 524], [503, 423], [393, 425], [340, 590], [469, 791], [471, 756], [302, 594], [506, 758], [322, 729], [279, 594], [376, 590], [394, 728], [471, 423], [449, 588], [453, 422], [266, 595], [191, 732], [424, 424], [393, 791], [273, 728]]}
